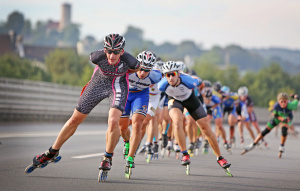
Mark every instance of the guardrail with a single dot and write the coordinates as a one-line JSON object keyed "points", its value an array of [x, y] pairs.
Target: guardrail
{"points": [[24, 100]]}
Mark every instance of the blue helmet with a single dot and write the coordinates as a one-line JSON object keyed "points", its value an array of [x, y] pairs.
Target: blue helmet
{"points": [[225, 90]]}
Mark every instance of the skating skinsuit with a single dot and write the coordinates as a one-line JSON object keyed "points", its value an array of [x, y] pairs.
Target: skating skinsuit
{"points": [[182, 96], [138, 98], [107, 81]]}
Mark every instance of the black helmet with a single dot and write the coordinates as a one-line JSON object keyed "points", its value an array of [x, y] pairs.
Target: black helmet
{"points": [[208, 93], [207, 83], [114, 41], [217, 86]]}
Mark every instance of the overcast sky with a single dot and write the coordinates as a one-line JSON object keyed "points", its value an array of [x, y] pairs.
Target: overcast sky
{"points": [[248, 23]]}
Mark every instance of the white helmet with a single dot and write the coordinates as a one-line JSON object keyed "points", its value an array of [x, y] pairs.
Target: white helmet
{"points": [[158, 65], [170, 66], [147, 59], [182, 65], [243, 91], [225, 90]]}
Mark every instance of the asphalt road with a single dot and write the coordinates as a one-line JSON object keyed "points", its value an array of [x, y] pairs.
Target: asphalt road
{"points": [[260, 169]]}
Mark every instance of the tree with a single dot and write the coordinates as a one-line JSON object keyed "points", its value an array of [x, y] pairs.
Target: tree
{"points": [[12, 66], [15, 21], [66, 67]]}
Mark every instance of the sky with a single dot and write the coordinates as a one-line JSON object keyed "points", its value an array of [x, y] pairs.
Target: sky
{"points": [[248, 23]]}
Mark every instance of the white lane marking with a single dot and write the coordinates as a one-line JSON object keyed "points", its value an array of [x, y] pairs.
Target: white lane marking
{"points": [[87, 156], [48, 134]]}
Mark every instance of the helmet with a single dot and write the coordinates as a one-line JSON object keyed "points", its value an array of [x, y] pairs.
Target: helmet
{"points": [[206, 83], [225, 90], [182, 65], [158, 64], [243, 91], [170, 66], [217, 86], [283, 96], [114, 41], [147, 59], [208, 93]]}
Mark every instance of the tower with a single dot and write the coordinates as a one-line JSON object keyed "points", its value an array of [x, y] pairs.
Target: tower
{"points": [[65, 18]]}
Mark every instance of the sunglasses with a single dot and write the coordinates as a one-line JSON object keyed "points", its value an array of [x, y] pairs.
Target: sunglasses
{"points": [[283, 101], [145, 70], [171, 74], [113, 51]]}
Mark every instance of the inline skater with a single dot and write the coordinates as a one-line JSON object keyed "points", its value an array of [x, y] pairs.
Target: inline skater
{"points": [[179, 89], [108, 81], [250, 103], [283, 116], [243, 116], [212, 103], [137, 104], [228, 102]]}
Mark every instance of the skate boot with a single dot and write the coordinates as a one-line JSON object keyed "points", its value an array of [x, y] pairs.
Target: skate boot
{"points": [[197, 146], [128, 167], [169, 148], [232, 142], [155, 150], [164, 143], [42, 160], [106, 163], [104, 167], [185, 161], [225, 165], [149, 152], [142, 150], [205, 147], [248, 148], [227, 147], [126, 149], [281, 150], [242, 141], [177, 151], [191, 149]]}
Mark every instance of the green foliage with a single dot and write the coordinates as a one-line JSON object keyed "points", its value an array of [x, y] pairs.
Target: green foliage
{"points": [[66, 67], [14, 67], [263, 85]]}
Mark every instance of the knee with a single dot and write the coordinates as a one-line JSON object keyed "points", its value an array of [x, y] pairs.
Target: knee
{"points": [[284, 131], [203, 124], [265, 131], [113, 122]]}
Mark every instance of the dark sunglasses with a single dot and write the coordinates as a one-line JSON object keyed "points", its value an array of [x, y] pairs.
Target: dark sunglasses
{"points": [[145, 70], [113, 51], [171, 74]]}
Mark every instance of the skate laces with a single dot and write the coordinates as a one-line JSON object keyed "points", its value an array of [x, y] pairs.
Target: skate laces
{"points": [[185, 158], [42, 158], [222, 162]]}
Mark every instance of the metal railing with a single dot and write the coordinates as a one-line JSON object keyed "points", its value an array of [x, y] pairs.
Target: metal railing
{"points": [[24, 100]]}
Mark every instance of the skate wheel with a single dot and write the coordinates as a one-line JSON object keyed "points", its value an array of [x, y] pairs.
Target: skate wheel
{"points": [[30, 169], [177, 155], [43, 165], [228, 172], [57, 159], [168, 153], [187, 169], [148, 158], [128, 172], [102, 176], [280, 155], [196, 152]]}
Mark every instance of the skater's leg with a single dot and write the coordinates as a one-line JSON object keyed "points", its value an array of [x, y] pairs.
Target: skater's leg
{"points": [[177, 118], [69, 129], [137, 122], [124, 130], [206, 130], [113, 131]]}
